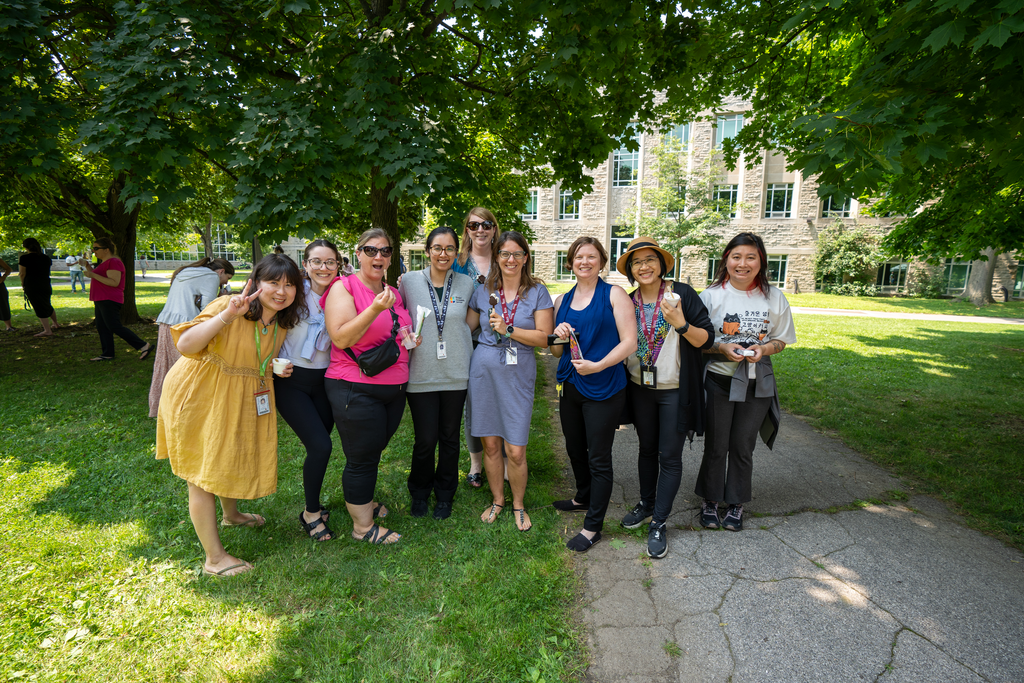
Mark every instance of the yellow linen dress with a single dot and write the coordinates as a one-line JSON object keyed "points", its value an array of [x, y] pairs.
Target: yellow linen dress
{"points": [[207, 423]]}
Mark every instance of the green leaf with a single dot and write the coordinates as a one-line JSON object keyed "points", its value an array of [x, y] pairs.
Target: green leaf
{"points": [[950, 32], [617, 544], [998, 33]]}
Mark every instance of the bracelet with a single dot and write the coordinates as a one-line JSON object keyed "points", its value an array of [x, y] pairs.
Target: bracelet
{"points": [[222, 319]]}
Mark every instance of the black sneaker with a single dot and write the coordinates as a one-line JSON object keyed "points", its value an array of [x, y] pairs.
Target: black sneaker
{"points": [[637, 516], [657, 541], [419, 508], [443, 509], [709, 515], [733, 518]]}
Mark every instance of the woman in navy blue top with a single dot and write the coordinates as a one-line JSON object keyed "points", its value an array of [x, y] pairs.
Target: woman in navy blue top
{"points": [[592, 386]]}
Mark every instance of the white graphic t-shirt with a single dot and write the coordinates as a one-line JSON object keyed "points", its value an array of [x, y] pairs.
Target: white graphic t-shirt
{"points": [[747, 318]]}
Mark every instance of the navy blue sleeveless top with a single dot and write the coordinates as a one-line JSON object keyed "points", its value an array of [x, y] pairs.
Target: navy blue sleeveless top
{"points": [[595, 328]]}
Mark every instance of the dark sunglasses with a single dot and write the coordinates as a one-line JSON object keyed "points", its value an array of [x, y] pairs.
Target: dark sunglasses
{"points": [[474, 226], [372, 251]]}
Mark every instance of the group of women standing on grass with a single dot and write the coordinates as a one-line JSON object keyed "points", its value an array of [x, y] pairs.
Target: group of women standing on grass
{"points": [[354, 358]]}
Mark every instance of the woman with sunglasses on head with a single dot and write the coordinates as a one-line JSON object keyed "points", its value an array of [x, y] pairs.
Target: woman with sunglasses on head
{"points": [[362, 312], [107, 294], [752, 321], [593, 386], [217, 424], [666, 387], [193, 287], [302, 398], [479, 231], [515, 315], [438, 373]]}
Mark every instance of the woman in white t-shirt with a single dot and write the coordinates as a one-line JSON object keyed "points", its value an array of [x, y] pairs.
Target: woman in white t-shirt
{"points": [[752, 321]]}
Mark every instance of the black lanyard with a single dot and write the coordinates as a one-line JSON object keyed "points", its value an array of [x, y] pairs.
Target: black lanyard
{"points": [[439, 316]]}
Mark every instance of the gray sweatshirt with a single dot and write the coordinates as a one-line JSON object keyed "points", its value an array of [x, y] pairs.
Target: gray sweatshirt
{"points": [[427, 372]]}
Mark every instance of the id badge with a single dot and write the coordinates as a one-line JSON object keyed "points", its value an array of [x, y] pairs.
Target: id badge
{"points": [[511, 356], [441, 352], [263, 402], [649, 376]]}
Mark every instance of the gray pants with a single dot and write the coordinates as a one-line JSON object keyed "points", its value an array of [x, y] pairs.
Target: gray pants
{"points": [[729, 439]]}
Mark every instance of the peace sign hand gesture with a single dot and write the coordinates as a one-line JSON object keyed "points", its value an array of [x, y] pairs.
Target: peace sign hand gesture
{"points": [[239, 304]]}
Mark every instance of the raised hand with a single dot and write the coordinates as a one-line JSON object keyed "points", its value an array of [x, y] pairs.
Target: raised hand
{"points": [[673, 313], [239, 304], [384, 300]]}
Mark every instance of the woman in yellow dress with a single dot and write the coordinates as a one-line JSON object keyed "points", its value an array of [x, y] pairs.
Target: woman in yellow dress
{"points": [[217, 421]]}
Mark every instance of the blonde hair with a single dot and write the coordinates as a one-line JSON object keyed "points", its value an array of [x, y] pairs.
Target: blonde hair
{"points": [[467, 242]]}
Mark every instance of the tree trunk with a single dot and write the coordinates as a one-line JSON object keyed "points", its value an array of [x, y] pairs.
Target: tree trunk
{"points": [[979, 284], [206, 235], [384, 214], [120, 226]]}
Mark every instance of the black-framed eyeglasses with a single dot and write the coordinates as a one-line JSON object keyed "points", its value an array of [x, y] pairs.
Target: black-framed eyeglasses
{"points": [[372, 251], [317, 263], [640, 263], [437, 250], [517, 255], [95, 247], [474, 226]]}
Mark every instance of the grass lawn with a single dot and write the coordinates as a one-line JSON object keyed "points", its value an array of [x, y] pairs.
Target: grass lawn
{"points": [[99, 563], [939, 402], [1010, 309]]}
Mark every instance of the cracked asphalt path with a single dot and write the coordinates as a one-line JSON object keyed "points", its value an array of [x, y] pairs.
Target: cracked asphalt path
{"points": [[890, 593]]}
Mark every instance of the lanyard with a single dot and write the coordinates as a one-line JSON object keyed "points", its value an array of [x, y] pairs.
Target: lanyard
{"points": [[439, 316], [504, 308], [261, 363], [652, 335]]}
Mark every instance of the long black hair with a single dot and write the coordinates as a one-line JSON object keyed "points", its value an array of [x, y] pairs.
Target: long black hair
{"points": [[278, 267], [749, 239]]}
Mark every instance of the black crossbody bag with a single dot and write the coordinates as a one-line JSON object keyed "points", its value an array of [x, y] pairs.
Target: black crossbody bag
{"points": [[374, 361]]}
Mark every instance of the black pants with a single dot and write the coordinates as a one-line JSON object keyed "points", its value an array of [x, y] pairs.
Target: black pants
{"points": [[729, 440], [660, 461], [367, 416], [302, 402], [589, 430], [437, 421], [39, 298], [108, 323], [5, 303]]}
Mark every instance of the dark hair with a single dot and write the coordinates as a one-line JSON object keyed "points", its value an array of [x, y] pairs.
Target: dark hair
{"points": [[276, 267], [106, 243], [442, 230], [749, 239], [528, 280], [580, 241], [344, 259], [31, 244], [467, 243], [629, 264], [319, 243], [207, 262]]}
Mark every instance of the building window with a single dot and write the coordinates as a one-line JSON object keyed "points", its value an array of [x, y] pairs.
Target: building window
{"points": [[417, 260], [568, 207], [563, 269], [728, 127], [833, 208], [726, 197], [677, 137], [626, 164], [530, 214], [779, 201], [892, 276], [1018, 281], [955, 274], [777, 270]]}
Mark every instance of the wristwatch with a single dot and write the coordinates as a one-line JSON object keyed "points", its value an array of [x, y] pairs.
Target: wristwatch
{"points": [[509, 330], [684, 328]]}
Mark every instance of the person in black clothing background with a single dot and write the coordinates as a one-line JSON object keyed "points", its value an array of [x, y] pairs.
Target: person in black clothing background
{"points": [[34, 271]]}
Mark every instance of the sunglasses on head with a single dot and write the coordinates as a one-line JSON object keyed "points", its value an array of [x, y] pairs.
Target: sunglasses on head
{"points": [[372, 251], [474, 226]]}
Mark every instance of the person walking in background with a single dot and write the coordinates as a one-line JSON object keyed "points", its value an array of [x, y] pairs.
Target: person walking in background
{"points": [[143, 266], [479, 232], [193, 287], [752, 321], [107, 295], [217, 423], [5, 300], [76, 272], [34, 272], [346, 267], [302, 398], [438, 373], [362, 314], [515, 313], [665, 393], [592, 381]]}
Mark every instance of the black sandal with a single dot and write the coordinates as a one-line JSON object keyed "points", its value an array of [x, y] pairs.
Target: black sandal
{"points": [[308, 527]]}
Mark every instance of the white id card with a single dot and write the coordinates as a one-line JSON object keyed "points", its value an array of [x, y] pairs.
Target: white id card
{"points": [[263, 402], [511, 356], [441, 352]]}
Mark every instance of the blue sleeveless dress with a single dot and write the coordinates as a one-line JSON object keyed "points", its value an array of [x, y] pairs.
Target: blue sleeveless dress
{"points": [[597, 334]]}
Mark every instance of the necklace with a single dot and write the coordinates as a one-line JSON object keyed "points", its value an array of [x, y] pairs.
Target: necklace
{"points": [[267, 324]]}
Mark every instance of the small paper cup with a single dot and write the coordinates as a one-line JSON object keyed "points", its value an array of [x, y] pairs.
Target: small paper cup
{"points": [[672, 298], [280, 364], [408, 336]]}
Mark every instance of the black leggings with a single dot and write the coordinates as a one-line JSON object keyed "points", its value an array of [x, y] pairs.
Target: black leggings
{"points": [[660, 460], [39, 299], [302, 402], [108, 323], [437, 421], [589, 429], [367, 416], [5, 303]]}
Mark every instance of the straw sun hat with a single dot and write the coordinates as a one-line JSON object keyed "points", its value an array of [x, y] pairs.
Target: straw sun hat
{"points": [[643, 243]]}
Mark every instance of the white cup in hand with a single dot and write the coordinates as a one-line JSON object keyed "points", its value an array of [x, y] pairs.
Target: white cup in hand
{"points": [[280, 364]]}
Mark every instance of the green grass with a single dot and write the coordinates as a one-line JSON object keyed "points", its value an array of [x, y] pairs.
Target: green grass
{"points": [[939, 402], [99, 563], [1010, 309]]}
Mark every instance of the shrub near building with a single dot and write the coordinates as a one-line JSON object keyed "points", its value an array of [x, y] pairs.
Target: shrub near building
{"points": [[846, 261]]}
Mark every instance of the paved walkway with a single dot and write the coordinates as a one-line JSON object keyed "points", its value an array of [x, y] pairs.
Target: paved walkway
{"points": [[815, 588], [908, 316]]}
